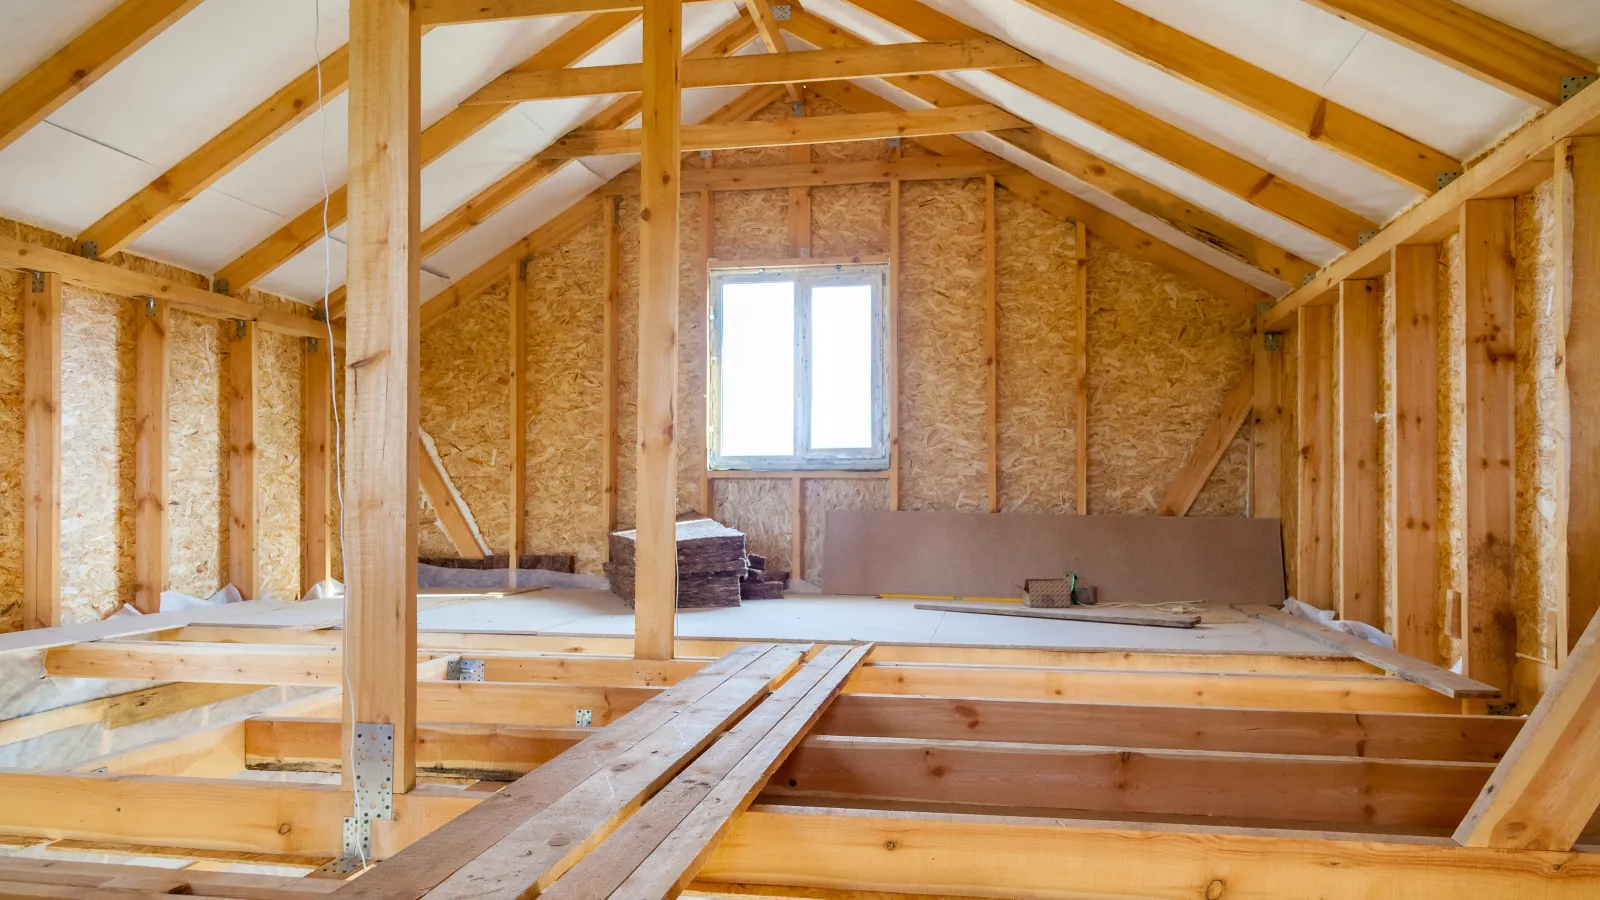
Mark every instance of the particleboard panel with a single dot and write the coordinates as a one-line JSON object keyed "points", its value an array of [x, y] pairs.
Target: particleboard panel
{"points": [[1452, 429], [11, 290], [627, 370], [1538, 342], [850, 219], [943, 393], [760, 509], [1036, 287], [847, 151], [1163, 355], [197, 453], [1388, 599], [822, 495], [278, 374], [1289, 458], [465, 377], [749, 224], [746, 157], [565, 297]]}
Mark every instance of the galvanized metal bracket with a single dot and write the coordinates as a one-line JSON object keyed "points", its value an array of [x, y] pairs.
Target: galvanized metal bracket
{"points": [[220, 286], [797, 109], [1572, 85], [373, 758], [356, 849], [894, 142], [463, 670], [1308, 278], [705, 154], [782, 12], [1272, 340], [241, 329], [1443, 179], [1365, 236], [584, 718], [89, 249], [36, 280], [150, 308]]}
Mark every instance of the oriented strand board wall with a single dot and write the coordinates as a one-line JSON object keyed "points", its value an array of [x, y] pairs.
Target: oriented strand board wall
{"points": [[278, 420], [11, 290], [197, 447]]}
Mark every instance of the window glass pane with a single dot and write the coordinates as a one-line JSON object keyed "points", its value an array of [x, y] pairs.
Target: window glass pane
{"points": [[758, 369], [841, 366]]}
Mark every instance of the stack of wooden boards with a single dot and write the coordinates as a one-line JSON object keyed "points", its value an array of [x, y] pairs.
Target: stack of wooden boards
{"points": [[758, 584], [712, 565], [637, 807]]}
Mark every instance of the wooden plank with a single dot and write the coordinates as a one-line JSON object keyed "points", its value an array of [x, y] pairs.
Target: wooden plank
{"points": [[35, 640], [316, 485], [450, 12], [1209, 449], [89, 55], [797, 528], [1415, 270], [761, 14], [41, 451], [380, 628], [1081, 406], [708, 243], [150, 540], [556, 793], [655, 608], [1544, 793], [612, 289], [490, 752], [657, 852], [1577, 190], [824, 174], [238, 885], [1488, 247], [1394, 662], [1471, 42], [1329, 790], [516, 301], [991, 352], [1360, 322], [447, 504], [910, 852], [894, 340], [243, 515], [1129, 617], [1315, 423], [1296, 732], [1266, 428]]}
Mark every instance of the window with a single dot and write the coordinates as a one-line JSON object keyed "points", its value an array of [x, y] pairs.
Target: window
{"points": [[798, 374]]}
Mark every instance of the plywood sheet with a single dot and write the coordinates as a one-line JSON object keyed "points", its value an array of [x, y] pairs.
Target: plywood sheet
{"points": [[1129, 559], [278, 419], [197, 454], [821, 496]]}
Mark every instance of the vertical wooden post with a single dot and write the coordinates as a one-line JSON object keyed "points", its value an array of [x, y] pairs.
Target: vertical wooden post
{"points": [[243, 534], [380, 630], [1315, 550], [41, 451], [1415, 270], [797, 519], [516, 300], [1083, 368], [1578, 296], [608, 369], [708, 240], [1360, 535], [991, 339], [150, 539], [894, 341], [799, 196], [1488, 245], [316, 380], [657, 551], [1266, 430]]}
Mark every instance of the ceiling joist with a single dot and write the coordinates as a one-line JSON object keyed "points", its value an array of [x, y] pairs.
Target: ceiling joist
{"points": [[455, 12]]}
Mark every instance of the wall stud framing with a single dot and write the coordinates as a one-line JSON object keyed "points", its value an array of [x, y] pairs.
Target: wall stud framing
{"points": [[316, 473], [1415, 270], [1082, 405], [1578, 296], [1266, 429], [1360, 318], [243, 512], [1315, 438], [517, 332], [991, 339], [150, 538], [41, 460], [612, 240], [894, 340]]}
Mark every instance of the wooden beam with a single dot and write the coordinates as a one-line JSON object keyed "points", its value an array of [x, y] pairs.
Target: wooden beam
{"points": [[611, 237], [894, 338], [772, 68], [244, 541], [380, 629], [1315, 439], [761, 14], [1266, 428], [911, 852], [1415, 270], [41, 450], [456, 126], [455, 12], [1519, 164], [1470, 42], [94, 52], [991, 341], [1360, 321], [150, 538], [655, 609], [1488, 245], [517, 353], [1216, 165], [708, 244], [1299, 110], [451, 510], [316, 507], [1081, 407], [1209, 449], [487, 752], [1577, 192], [1543, 793], [797, 527]]}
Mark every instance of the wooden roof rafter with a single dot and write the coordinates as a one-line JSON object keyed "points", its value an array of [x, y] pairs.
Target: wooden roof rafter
{"points": [[761, 13]]}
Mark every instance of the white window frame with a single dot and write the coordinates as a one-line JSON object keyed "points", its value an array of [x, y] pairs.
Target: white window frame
{"points": [[806, 458]]}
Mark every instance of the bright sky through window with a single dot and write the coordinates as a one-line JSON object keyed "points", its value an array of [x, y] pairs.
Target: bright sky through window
{"points": [[758, 369], [841, 366]]}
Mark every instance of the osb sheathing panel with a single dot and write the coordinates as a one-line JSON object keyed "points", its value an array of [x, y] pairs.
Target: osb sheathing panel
{"points": [[1163, 355], [197, 453], [565, 396], [627, 365], [12, 286], [1036, 287], [943, 393], [1452, 428], [278, 374], [761, 509], [822, 495], [464, 379], [749, 224], [850, 219], [1538, 343]]}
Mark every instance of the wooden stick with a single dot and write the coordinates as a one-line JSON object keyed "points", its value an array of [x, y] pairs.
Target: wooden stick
{"points": [[991, 338], [1125, 617], [1082, 410], [243, 511], [517, 301], [150, 540]]}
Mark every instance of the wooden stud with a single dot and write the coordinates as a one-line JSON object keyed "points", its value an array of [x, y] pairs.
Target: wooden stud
{"points": [[380, 628], [1315, 531], [894, 341], [761, 14], [1208, 450], [41, 451], [316, 474], [655, 606], [516, 300], [243, 513], [1578, 297], [448, 506], [1266, 429], [150, 538], [797, 528], [708, 238], [1488, 245], [612, 238], [1360, 318], [991, 339], [1082, 406], [1415, 270]]}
